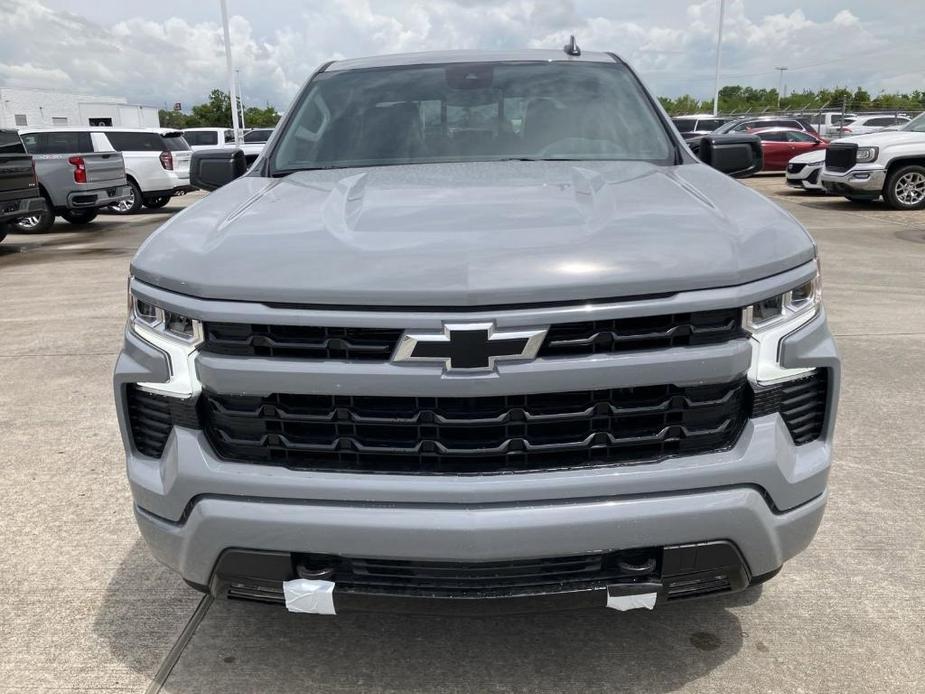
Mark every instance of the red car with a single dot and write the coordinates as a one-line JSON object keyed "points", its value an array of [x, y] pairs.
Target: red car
{"points": [[780, 145]]}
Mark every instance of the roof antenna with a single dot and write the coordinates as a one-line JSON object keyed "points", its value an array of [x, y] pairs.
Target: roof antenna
{"points": [[571, 48]]}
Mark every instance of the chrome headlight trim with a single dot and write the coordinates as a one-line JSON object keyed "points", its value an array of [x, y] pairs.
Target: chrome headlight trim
{"points": [[797, 307], [151, 323]]}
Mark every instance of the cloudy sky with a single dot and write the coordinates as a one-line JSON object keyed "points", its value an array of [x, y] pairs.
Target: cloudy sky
{"points": [[159, 52]]}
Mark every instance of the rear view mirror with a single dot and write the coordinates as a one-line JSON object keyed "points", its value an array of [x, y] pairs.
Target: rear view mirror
{"points": [[212, 168], [738, 155]]}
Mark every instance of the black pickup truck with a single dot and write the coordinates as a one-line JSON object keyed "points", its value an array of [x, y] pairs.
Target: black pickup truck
{"points": [[19, 192]]}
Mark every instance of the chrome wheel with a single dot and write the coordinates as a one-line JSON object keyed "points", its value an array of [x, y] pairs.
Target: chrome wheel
{"points": [[126, 205], [910, 188], [29, 223]]}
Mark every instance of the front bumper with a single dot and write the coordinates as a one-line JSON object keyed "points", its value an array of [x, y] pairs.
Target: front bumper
{"points": [[856, 180], [806, 178], [765, 495], [101, 197]]}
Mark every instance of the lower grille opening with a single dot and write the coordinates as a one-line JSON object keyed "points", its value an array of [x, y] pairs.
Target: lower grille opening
{"points": [[482, 579], [801, 403], [675, 572]]}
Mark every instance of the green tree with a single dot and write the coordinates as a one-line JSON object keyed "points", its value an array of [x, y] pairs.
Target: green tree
{"points": [[215, 113]]}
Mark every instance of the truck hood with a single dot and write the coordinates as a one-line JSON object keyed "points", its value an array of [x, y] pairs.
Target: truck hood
{"points": [[473, 234], [886, 138]]}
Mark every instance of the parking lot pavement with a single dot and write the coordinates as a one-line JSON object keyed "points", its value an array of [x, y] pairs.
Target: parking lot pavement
{"points": [[86, 607]]}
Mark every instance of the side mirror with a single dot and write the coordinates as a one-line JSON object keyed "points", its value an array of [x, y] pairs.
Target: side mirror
{"points": [[212, 168], [738, 155]]}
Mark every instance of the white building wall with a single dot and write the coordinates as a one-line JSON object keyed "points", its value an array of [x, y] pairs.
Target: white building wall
{"points": [[43, 107]]}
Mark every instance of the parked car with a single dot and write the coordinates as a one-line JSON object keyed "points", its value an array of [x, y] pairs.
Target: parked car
{"points": [[477, 324], [696, 126], [75, 182], [254, 142], [19, 191], [827, 123], [742, 125], [862, 125], [209, 138], [889, 163], [780, 145], [803, 170]]}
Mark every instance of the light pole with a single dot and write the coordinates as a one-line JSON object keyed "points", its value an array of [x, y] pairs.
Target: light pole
{"points": [[719, 48], [232, 91], [780, 83]]}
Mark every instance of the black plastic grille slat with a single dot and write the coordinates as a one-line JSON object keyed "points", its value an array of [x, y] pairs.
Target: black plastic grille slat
{"points": [[152, 417], [800, 402], [306, 342], [478, 578], [477, 435], [563, 339], [649, 332]]}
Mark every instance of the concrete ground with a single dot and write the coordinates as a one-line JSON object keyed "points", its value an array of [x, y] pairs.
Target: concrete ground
{"points": [[85, 607]]}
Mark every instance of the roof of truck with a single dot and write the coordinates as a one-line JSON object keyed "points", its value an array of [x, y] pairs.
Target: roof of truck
{"points": [[469, 56], [99, 128]]}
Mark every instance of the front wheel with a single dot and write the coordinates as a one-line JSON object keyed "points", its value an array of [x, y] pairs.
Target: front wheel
{"points": [[130, 205], [157, 203], [79, 216], [35, 224], [905, 188]]}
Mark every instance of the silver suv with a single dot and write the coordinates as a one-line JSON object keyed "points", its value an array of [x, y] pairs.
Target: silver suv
{"points": [[477, 325]]}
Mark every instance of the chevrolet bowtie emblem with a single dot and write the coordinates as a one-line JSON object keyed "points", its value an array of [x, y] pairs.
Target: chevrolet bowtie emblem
{"points": [[470, 346]]}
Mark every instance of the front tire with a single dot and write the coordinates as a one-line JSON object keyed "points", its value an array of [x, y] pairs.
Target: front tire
{"points": [[130, 206], [36, 223], [79, 216], [157, 203], [905, 188]]}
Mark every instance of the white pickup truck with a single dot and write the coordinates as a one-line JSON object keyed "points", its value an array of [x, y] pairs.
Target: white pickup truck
{"points": [[889, 163]]}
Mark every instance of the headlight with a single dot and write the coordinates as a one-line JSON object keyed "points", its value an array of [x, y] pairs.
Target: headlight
{"points": [[176, 335], [152, 318], [867, 154], [772, 319]]}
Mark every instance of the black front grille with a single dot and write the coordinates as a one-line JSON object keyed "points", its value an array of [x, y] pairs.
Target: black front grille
{"points": [[302, 342], [795, 168], [152, 417], [482, 579], [800, 402], [563, 339], [841, 156], [650, 332], [477, 435]]}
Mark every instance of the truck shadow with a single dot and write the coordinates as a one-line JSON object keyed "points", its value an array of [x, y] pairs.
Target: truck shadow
{"points": [[245, 647]]}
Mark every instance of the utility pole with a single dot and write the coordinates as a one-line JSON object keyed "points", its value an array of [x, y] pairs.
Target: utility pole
{"points": [[780, 83], [719, 49], [232, 91]]}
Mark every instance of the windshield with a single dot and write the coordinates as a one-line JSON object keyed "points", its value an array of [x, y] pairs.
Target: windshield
{"points": [[471, 112], [916, 125]]}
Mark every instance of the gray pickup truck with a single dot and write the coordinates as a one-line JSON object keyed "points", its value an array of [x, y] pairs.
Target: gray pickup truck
{"points": [[477, 331], [19, 192], [75, 182]]}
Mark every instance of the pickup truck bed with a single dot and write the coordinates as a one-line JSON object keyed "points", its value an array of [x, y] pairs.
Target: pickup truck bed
{"points": [[103, 179]]}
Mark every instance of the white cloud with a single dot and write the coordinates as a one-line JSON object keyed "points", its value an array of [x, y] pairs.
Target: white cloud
{"points": [[155, 60]]}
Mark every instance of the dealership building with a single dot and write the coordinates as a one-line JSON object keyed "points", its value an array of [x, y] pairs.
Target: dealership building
{"points": [[35, 108]]}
